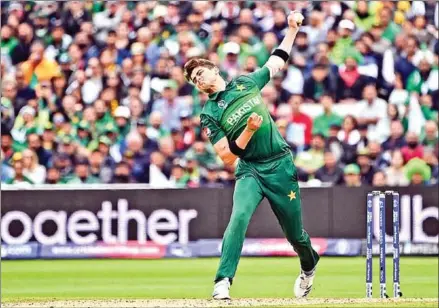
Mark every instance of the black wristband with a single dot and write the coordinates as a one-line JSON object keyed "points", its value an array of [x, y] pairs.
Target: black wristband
{"points": [[235, 149], [281, 54]]}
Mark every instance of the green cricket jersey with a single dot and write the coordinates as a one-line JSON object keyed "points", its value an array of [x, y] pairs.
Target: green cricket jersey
{"points": [[226, 112]]}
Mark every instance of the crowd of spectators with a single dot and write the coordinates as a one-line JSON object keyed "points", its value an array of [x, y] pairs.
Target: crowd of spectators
{"points": [[93, 91]]}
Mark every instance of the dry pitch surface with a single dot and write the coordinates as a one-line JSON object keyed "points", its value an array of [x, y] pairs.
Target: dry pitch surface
{"points": [[263, 302]]}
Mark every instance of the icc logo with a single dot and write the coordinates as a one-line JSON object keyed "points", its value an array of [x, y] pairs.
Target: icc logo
{"points": [[222, 104]]}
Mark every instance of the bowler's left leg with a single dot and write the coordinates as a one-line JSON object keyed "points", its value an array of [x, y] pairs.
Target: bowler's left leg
{"points": [[282, 191]]}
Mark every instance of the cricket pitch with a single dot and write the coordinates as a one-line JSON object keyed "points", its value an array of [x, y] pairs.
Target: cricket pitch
{"points": [[247, 302]]}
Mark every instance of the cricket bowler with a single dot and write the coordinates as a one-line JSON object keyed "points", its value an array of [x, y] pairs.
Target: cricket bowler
{"points": [[239, 125]]}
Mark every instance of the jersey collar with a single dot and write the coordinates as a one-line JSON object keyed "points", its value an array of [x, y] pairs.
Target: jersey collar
{"points": [[215, 95]]}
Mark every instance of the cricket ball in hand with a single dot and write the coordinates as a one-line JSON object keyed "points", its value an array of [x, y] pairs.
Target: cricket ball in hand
{"points": [[298, 18]]}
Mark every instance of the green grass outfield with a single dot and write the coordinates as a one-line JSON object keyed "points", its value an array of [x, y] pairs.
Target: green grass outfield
{"points": [[337, 278]]}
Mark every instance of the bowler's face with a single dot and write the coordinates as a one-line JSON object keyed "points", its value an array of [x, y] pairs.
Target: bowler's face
{"points": [[204, 78]]}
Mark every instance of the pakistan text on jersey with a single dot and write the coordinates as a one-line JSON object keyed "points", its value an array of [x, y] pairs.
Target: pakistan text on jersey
{"points": [[237, 115]]}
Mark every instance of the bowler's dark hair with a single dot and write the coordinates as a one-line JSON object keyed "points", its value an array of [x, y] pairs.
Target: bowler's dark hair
{"points": [[193, 63]]}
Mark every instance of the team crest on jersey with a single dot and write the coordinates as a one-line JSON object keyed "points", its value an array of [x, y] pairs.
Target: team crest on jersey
{"points": [[222, 104], [207, 131]]}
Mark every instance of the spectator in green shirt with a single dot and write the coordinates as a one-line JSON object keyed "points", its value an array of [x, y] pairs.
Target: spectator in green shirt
{"points": [[352, 177], [323, 122], [83, 134], [431, 137], [179, 176], [429, 112], [82, 174], [155, 131], [233, 54], [364, 18], [19, 177], [344, 42], [263, 50], [8, 41], [424, 79], [24, 124], [312, 160], [391, 29], [103, 116], [202, 152], [122, 117]]}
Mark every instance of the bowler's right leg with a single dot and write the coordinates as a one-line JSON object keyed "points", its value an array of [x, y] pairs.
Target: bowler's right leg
{"points": [[246, 198]]}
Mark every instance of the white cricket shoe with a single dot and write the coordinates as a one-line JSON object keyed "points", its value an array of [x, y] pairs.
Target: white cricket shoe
{"points": [[303, 284], [221, 289]]}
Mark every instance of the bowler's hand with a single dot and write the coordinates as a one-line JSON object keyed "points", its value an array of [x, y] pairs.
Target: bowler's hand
{"points": [[254, 122], [295, 20]]}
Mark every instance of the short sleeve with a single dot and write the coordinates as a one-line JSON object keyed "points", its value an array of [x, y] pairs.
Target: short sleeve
{"points": [[212, 129], [261, 77]]}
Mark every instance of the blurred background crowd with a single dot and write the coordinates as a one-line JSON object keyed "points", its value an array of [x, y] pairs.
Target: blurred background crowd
{"points": [[93, 91]]}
